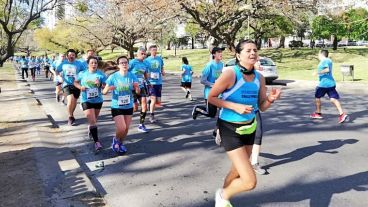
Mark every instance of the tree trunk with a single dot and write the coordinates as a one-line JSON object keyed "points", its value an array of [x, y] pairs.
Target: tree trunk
{"points": [[258, 41], [282, 42], [193, 39], [169, 45], [334, 42], [131, 51]]}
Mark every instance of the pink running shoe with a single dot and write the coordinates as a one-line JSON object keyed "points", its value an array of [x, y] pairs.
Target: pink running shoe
{"points": [[342, 118], [316, 115]]}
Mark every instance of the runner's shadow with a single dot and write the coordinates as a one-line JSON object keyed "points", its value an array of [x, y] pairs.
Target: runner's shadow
{"points": [[329, 147], [319, 193]]}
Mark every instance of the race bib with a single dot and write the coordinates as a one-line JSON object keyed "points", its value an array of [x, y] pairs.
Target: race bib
{"points": [[155, 75], [124, 100], [71, 71], [92, 93]]}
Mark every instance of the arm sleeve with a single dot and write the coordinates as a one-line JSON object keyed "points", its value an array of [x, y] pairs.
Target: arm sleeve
{"points": [[205, 73], [59, 68], [131, 65], [103, 78], [109, 81], [80, 76], [324, 65], [135, 79]]}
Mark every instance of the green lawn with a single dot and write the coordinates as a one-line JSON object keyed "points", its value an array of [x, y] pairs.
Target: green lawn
{"points": [[291, 64]]}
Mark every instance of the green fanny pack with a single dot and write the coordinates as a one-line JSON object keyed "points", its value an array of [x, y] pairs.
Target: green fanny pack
{"points": [[247, 129]]}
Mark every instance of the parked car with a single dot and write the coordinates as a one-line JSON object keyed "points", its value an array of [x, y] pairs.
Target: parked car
{"points": [[362, 43], [295, 43], [342, 44], [352, 43], [268, 68], [321, 44]]}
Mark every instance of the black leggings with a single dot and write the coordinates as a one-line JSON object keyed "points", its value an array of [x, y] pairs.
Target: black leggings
{"points": [[209, 111], [24, 70], [33, 70]]}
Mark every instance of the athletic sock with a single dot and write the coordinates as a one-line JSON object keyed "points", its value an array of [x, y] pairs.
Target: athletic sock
{"points": [[94, 132], [143, 117]]}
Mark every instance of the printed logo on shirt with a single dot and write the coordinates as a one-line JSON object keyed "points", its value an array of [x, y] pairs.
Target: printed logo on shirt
{"points": [[123, 87], [155, 64]]}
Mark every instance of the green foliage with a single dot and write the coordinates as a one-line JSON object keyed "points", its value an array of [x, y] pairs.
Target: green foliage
{"points": [[60, 39], [356, 23], [192, 29], [352, 24], [81, 6], [323, 27]]}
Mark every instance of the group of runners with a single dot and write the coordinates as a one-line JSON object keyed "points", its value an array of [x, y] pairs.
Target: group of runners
{"points": [[239, 92], [34, 64]]}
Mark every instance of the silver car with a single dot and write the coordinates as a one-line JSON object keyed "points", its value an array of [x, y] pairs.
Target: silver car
{"points": [[267, 68]]}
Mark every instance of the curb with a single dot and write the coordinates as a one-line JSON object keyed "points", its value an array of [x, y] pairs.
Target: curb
{"points": [[65, 183]]}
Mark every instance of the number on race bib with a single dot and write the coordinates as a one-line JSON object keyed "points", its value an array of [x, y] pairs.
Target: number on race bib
{"points": [[124, 100], [155, 75], [92, 93]]}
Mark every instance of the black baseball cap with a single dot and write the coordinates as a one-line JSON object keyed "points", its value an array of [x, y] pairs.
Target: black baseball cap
{"points": [[217, 49]]}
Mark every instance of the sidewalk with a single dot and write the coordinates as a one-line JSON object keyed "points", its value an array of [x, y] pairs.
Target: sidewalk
{"points": [[36, 167]]}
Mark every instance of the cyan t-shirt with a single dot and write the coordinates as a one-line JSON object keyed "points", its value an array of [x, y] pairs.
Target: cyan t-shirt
{"points": [[122, 96], [23, 63], [187, 76], [326, 80], [155, 70], [211, 72], [69, 71], [139, 68], [93, 83]]}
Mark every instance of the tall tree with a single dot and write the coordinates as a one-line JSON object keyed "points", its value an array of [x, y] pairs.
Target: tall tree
{"points": [[323, 27], [355, 22], [223, 19], [15, 18]]}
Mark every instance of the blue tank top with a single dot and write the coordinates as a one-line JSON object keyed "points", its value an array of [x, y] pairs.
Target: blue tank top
{"points": [[243, 93]]}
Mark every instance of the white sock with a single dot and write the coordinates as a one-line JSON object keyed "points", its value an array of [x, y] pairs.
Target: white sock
{"points": [[254, 160]]}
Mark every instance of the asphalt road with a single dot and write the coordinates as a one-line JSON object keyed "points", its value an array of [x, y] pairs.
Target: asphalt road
{"points": [[310, 162]]}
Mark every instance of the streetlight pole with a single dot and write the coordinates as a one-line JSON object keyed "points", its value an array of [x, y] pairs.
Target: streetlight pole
{"points": [[162, 43], [248, 27], [249, 8]]}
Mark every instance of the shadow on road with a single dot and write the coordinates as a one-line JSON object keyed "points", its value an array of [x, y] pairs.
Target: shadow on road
{"points": [[329, 147]]}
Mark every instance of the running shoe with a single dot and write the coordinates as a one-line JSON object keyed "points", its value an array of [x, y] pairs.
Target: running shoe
{"points": [[98, 146], [194, 112], [115, 146], [71, 121], [152, 119], [220, 202], [316, 115], [63, 100], [122, 148], [186, 96], [342, 118], [142, 128], [57, 98], [258, 169]]}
